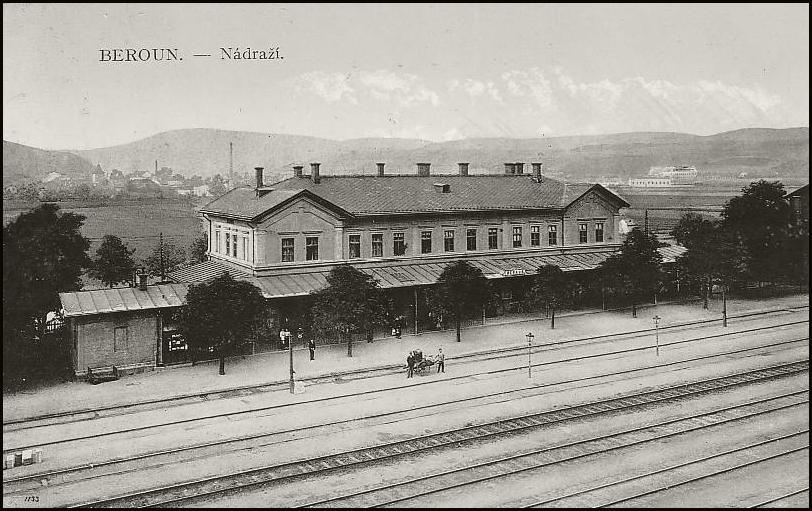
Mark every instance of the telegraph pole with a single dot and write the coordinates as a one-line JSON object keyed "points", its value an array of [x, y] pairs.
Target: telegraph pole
{"points": [[529, 347], [290, 350], [161, 249], [657, 332]]}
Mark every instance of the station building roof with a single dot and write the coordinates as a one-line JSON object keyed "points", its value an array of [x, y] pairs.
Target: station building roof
{"points": [[399, 194]]}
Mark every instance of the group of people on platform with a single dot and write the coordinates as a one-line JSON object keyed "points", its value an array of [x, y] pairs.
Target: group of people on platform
{"points": [[284, 340], [415, 361]]}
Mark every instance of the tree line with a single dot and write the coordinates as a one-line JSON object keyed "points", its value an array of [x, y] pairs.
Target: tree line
{"points": [[757, 239]]}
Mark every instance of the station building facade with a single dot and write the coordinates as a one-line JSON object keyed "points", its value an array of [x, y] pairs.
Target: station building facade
{"points": [[400, 229]]}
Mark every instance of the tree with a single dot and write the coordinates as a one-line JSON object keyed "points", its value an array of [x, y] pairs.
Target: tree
{"points": [[759, 221], [637, 269], [199, 247], [114, 262], [461, 288], [351, 302], [165, 257], [44, 253], [218, 185], [220, 314], [550, 288]]}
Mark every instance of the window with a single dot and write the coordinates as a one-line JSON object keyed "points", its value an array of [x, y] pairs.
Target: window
{"points": [[228, 244], [470, 239], [448, 241], [399, 245], [216, 247], [535, 236], [493, 238], [552, 235], [517, 237], [287, 250], [582, 233], [598, 232], [355, 246], [377, 245], [425, 242], [234, 245], [120, 338], [245, 251], [312, 248]]}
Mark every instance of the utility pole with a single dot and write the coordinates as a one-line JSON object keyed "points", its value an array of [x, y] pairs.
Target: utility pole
{"points": [[657, 332], [529, 347], [290, 350], [161, 251], [724, 306]]}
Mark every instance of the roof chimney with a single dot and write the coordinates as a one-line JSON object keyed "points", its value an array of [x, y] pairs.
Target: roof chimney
{"points": [[519, 166], [259, 177], [142, 281], [510, 169], [380, 169], [297, 170], [463, 169], [423, 169], [536, 172], [314, 173]]}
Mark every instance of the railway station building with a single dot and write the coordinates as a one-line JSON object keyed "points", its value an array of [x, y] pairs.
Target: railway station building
{"points": [[400, 229]]}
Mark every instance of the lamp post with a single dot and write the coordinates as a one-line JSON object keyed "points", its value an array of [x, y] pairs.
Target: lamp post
{"points": [[290, 350], [657, 332], [724, 307], [529, 347]]}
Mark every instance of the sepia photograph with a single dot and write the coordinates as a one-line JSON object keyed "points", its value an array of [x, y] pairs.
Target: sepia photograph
{"points": [[427, 255]]}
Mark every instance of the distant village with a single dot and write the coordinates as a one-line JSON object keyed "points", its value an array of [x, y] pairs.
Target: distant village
{"points": [[161, 182]]}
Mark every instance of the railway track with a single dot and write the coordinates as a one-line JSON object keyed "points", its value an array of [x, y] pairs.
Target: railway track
{"points": [[185, 493], [202, 450], [392, 494], [502, 352], [781, 497]]}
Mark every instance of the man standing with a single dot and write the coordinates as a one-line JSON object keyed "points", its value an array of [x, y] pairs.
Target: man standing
{"points": [[440, 361], [410, 363], [300, 336], [282, 338], [311, 345]]}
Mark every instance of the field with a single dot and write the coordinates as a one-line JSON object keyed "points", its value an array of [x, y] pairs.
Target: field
{"points": [[137, 223]]}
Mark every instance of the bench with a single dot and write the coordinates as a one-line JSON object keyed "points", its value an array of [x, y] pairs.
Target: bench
{"points": [[96, 375]]}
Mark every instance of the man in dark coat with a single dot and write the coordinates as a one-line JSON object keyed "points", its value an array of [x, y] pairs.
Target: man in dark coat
{"points": [[410, 363], [311, 345]]}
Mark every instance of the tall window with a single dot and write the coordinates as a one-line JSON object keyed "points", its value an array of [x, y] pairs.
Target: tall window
{"points": [[245, 250], [312, 248], [377, 245], [120, 338], [287, 250], [399, 244], [493, 238], [535, 236], [228, 244], [598, 232], [233, 245], [552, 235], [470, 239], [216, 247], [583, 233], [425, 242], [517, 237], [355, 246], [448, 241]]}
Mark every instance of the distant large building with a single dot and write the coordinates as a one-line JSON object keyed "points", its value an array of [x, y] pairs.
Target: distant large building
{"points": [[799, 202], [678, 175], [400, 229]]}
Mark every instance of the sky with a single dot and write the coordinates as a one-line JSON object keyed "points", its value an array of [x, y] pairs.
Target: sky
{"points": [[432, 71]]}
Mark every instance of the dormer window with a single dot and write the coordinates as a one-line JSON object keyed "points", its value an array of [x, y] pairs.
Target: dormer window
{"points": [[442, 187]]}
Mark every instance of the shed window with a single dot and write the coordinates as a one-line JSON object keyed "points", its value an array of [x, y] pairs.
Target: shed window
{"points": [[120, 338]]}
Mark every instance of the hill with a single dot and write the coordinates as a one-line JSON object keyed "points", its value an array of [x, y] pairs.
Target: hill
{"points": [[758, 152], [22, 163], [764, 152]]}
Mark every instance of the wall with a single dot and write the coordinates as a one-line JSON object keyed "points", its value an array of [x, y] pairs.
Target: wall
{"points": [[305, 218], [95, 335]]}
